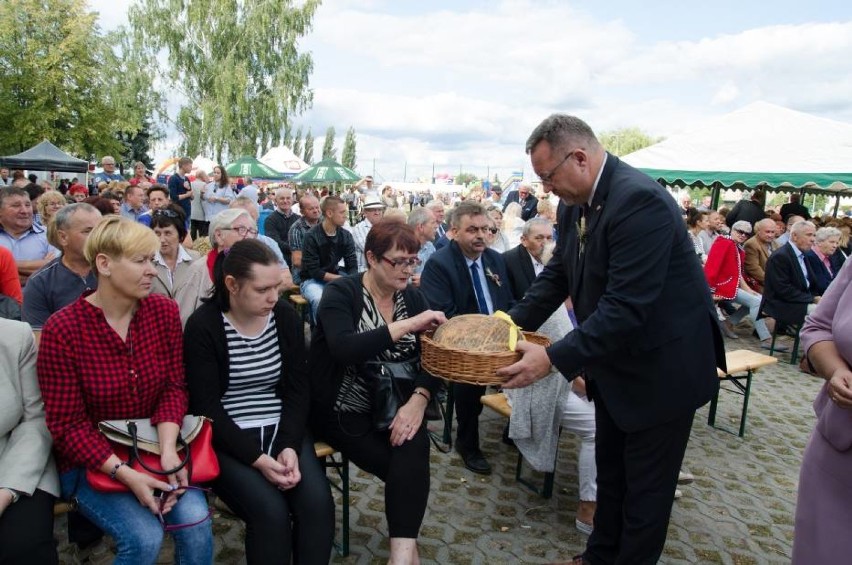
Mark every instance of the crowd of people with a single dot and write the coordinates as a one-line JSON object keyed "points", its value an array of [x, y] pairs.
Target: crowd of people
{"points": [[179, 292]]}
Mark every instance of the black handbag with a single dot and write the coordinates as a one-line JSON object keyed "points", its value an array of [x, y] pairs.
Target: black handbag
{"points": [[392, 384]]}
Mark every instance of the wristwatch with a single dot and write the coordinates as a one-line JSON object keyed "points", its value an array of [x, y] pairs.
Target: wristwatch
{"points": [[15, 495]]}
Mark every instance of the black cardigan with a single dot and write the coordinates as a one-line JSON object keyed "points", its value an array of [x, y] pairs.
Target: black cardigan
{"points": [[336, 343], [208, 375]]}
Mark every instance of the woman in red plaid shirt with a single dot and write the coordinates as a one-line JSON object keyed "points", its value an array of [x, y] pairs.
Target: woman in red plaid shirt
{"points": [[116, 353]]}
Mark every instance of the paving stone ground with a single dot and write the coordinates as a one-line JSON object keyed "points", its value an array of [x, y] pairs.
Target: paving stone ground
{"points": [[739, 510]]}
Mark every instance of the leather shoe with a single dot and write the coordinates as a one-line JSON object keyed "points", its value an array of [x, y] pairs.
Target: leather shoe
{"points": [[475, 461], [728, 332]]}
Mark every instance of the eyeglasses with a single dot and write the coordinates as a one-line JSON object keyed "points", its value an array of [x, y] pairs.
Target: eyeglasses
{"points": [[175, 527], [547, 177], [403, 262], [243, 231], [166, 213]]}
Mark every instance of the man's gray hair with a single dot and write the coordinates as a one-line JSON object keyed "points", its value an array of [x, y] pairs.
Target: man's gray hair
{"points": [[824, 233], [282, 191], [243, 202], [420, 216], [799, 227], [764, 223], [434, 204], [63, 217], [533, 222], [560, 130], [224, 220], [466, 208]]}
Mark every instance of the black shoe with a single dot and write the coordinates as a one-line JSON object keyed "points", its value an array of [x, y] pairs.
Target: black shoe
{"points": [[727, 332], [475, 461], [506, 439]]}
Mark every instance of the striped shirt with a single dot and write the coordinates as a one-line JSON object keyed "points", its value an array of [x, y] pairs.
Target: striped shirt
{"points": [[255, 370], [354, 395]]}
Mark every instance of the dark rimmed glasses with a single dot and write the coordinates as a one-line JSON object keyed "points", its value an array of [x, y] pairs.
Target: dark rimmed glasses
{"points": [[401, 263], [546, 178], [243, 231], [175, 527]]}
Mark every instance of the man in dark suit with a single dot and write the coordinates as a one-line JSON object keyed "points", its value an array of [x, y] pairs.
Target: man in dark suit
{"points": [[465, 277], [523, 262], [794, 208], [528, 202], [787, 296], [647, 340]]}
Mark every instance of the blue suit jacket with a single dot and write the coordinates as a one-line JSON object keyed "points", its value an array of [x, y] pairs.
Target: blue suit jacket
{"points": [[447, 285], [820, 277], [786, 292], [647, 340]]}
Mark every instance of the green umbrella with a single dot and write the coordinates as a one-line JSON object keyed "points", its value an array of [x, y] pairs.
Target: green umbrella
{"points": [[251, 167], [327, 170]]}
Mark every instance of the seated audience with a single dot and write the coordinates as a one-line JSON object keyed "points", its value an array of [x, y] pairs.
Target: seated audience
{"points": [[130, 367], [513, 225], [822, 262], [758, 248], [525, 262], [251, 207], [277, 225], [425, 228], [310, 210], [325, 245], [785, 235], [373, 210], [28, 480], [10, 284], [376, 317], [821, 533], [245, 365], [787, 294], [724, 273], [65, 278], [134, 203], [48, 205], [696, 224]]}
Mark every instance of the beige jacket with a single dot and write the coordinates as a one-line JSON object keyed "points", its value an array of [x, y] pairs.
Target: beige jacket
{"points": [[26, 462], [756, 256], [187, 285]]}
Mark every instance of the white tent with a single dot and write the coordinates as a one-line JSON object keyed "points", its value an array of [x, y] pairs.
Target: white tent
{"points": [[282, 159], [759, 144]]}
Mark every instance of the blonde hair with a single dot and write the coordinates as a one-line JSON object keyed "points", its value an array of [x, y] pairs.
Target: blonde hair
{"points": [[119, 237], [49, 198]]}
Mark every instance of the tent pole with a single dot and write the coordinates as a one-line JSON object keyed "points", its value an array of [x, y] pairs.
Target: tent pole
{"points": [[714, 198], [836, 203]]}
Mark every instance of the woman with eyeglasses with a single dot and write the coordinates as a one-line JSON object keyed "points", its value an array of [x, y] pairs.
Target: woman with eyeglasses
{"points": [[175, 276], [245, 362], [496, 239], [111, 355], [376, 317]]}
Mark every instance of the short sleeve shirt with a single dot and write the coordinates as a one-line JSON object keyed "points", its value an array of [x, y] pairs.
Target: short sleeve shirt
{"points": [[52, 288]]}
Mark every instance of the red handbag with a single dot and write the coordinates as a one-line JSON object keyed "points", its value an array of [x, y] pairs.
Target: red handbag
{"points": [[142, 452]]}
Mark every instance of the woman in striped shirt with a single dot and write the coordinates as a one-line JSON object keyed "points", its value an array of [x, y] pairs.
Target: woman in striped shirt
{"points": [[245, 364]]}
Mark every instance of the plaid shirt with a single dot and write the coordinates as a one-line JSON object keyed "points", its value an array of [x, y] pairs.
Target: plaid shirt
{"points": [[88, 374]]}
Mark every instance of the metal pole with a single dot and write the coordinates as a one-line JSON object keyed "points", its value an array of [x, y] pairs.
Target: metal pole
{"points": [[836, 203]]}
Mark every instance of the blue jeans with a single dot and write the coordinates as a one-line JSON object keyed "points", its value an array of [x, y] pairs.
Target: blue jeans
{"points": [[750, 306], [137, 532], [312, 292]]}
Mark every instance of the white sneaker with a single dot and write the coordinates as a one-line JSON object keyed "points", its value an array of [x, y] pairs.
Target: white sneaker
{"points": [[678, 493], [684, 478]]}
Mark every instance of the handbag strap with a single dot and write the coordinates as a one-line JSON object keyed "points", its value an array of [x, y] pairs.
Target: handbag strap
{"points": [[131, 429]]}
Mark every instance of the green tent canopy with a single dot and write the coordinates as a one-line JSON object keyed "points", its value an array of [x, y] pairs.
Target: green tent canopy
{"points": [[328, 171], [252, 168], [759, 145]]}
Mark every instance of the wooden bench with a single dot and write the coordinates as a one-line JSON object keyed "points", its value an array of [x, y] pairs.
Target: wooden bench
{"points": [[301, 305], [324, 452], [500, 404], [742, 364]]}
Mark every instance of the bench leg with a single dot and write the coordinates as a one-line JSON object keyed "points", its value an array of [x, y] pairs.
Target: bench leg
{"points": [[344, 530], [711, 416], [746, 394], [546, 490], [448, 415]]}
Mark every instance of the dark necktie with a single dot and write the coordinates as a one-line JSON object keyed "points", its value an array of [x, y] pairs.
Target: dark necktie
{"points": [[477, 287]]}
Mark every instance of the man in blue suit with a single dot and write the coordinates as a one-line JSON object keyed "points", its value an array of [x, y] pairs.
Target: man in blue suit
{"points": [[647, 339], [465, 277]]}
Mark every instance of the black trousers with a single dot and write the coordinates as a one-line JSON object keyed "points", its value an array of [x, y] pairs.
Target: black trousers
{"points": [[404, 469], [26, 531], [468, 408], [198, 228], [268, 512], [637, 477]]}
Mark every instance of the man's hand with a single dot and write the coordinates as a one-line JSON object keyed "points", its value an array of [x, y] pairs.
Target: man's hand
{"points": [[533, 366]]}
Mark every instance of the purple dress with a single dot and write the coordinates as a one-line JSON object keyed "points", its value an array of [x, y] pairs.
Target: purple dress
{"points": [[824, 507]]}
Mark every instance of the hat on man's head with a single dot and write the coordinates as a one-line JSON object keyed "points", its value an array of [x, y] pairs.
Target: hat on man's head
{"points": [[374, 202], [742, 226]]}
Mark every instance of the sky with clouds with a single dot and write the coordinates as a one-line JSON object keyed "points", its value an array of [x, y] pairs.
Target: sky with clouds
{"points": [[460, 84]]}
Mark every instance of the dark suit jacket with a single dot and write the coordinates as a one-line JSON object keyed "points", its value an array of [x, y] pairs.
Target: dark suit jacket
{"points": [[747, 210], [786, 294], [447, 285], [647, 339], [820, 277], [529, 209], [520, 268], [794, 208]]}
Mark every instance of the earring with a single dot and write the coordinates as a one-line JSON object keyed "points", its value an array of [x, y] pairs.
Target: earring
{"points": [[107, 274]]}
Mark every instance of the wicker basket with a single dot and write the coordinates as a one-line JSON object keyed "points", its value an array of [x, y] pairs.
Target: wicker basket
{"points": [[470, 367]]}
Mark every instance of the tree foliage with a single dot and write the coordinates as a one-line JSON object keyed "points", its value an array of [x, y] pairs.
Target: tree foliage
{"points": [[626, 140], [237, 65], [349, 155], [466, 178], [64, 81], [329, 151], [287, 139], [297, 143], [308, 156]]}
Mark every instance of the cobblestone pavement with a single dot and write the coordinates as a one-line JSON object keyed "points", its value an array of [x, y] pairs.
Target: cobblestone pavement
{"points": [[738, 511]]}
